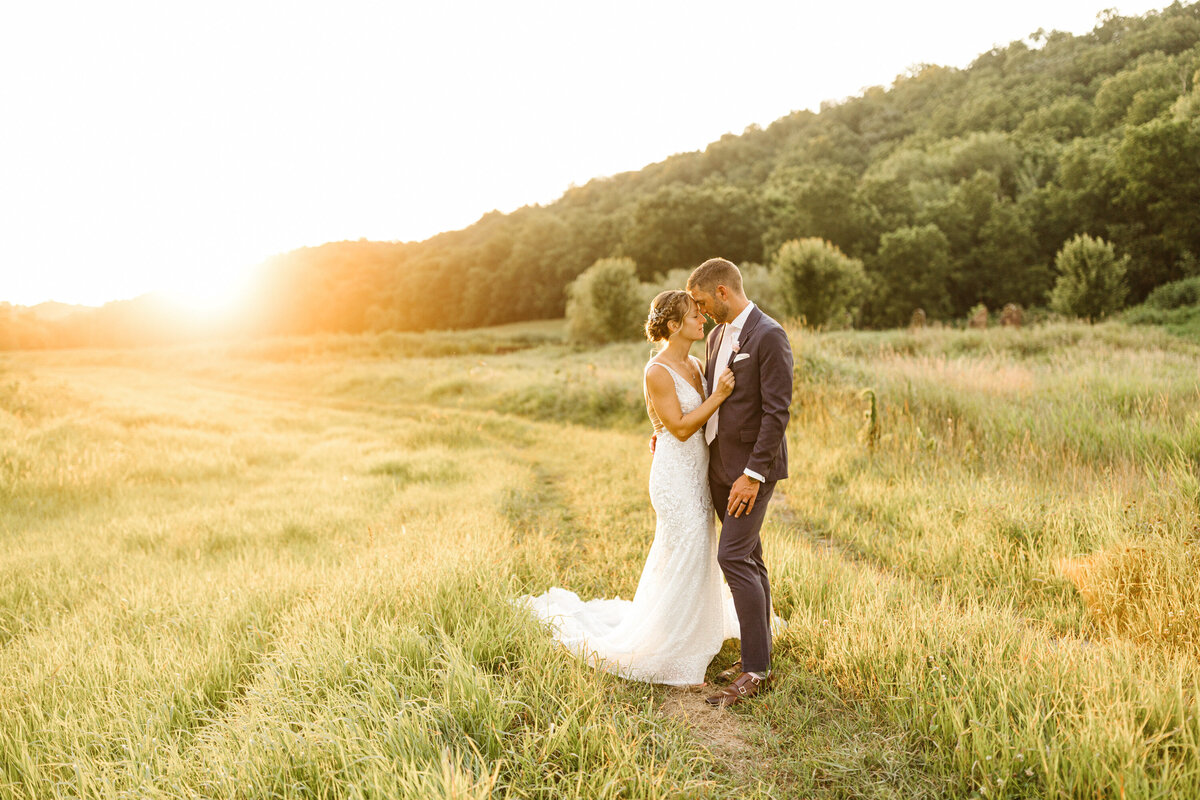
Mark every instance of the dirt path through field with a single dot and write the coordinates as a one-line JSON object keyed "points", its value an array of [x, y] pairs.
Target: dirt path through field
{"points": [[721, 732]]}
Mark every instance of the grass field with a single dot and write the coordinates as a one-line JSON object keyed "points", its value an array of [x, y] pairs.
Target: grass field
{"points": [[285, 570]]}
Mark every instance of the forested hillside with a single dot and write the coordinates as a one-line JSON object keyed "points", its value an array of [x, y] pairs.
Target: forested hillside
{"points": [[953, 187]]}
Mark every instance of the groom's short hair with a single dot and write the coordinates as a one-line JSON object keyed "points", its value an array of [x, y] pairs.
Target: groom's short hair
{"points": [[713, 273]]}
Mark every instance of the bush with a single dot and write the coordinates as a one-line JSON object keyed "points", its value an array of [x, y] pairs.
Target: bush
{"points": [[1176, 294], [819, 282], [1183, 321], [604, 304], [1091, 279]]}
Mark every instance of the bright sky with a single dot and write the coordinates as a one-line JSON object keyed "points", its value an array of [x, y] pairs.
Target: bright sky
{"points": [[172, 146]]}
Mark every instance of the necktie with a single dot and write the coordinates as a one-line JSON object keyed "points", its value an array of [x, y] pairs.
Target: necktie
{"points": [[723, 354]]}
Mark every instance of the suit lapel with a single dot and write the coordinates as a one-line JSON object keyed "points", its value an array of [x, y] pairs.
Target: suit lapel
{"points": [[752, 321], [710, 358]]}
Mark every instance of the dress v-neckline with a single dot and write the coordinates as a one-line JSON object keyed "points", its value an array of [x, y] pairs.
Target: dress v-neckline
{"points": [[691, 385]]}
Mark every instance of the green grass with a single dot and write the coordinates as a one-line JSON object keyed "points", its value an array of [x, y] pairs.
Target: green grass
{"points": [[285, 570], [1183, 321]]}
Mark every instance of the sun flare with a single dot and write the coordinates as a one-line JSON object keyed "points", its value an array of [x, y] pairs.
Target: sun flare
{"points": [[214, 297]]}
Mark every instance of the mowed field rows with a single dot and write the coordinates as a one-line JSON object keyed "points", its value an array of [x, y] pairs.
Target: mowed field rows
{"points": [[286, 570]]}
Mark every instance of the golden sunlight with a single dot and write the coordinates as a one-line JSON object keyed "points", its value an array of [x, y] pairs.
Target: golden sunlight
{"points": [[211, 297]]}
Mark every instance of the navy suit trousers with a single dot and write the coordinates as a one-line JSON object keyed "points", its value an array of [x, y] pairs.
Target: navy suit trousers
{"points": [[740, 555]]}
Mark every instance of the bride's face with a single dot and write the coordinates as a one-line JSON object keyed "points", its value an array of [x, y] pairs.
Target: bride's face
{"points": [[692, 327]]}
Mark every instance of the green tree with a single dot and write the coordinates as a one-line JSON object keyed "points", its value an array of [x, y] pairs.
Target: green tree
{"points": [[680, 226], [992, 248], [1062, 120], [604, 304], [804, 202], [1187, 107], [1158, 167], [819, 282], [1138, 93], [1091, 279], [912, 268]]}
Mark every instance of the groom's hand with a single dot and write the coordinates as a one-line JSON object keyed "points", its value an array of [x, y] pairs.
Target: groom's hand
{"points": [[742, 496]]}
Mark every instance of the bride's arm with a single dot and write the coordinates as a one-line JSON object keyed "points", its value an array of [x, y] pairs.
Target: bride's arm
{"points": [[660, 388]]}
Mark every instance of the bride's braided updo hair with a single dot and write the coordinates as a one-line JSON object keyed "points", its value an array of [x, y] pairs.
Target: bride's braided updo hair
{"points": [[669, 306]]}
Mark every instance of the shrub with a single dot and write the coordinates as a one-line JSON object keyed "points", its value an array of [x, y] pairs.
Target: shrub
{"points": [[1091, 279], [604, 304], [819, 282], [1176, 294]]}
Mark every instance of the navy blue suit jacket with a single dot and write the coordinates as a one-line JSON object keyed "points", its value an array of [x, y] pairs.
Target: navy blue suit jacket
{"points": [[752, 421]]}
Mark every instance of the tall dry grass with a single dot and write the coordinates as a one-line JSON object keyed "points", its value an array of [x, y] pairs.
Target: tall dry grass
{"points": [[249, 574]]}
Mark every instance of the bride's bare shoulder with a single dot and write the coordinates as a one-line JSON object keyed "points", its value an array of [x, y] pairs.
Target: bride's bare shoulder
{"points": [[657, 375]]}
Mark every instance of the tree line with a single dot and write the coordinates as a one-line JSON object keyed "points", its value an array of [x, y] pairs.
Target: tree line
{"points": [[951, 188]]}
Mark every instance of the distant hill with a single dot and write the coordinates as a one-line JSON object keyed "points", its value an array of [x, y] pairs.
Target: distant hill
{"points": [[52, 311], [146, 320], [953, 186]]}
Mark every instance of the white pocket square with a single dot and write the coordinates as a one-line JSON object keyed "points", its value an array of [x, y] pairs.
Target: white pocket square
{"points": [[740, 356]]}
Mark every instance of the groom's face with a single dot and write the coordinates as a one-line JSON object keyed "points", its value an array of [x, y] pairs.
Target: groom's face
{"points": [[712, 304]]}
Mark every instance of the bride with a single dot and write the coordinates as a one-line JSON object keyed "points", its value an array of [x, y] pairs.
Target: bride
{"points": [[682, 612]]}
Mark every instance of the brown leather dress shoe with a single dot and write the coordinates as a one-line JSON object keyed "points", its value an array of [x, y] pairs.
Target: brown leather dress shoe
{"points": [[730, 674], [745, 687]]}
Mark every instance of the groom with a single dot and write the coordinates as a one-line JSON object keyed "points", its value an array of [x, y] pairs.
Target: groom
{"points": [[747, 455]]}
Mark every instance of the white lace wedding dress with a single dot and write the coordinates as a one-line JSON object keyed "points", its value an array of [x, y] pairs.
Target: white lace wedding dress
{"points": [[682, 610]]}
